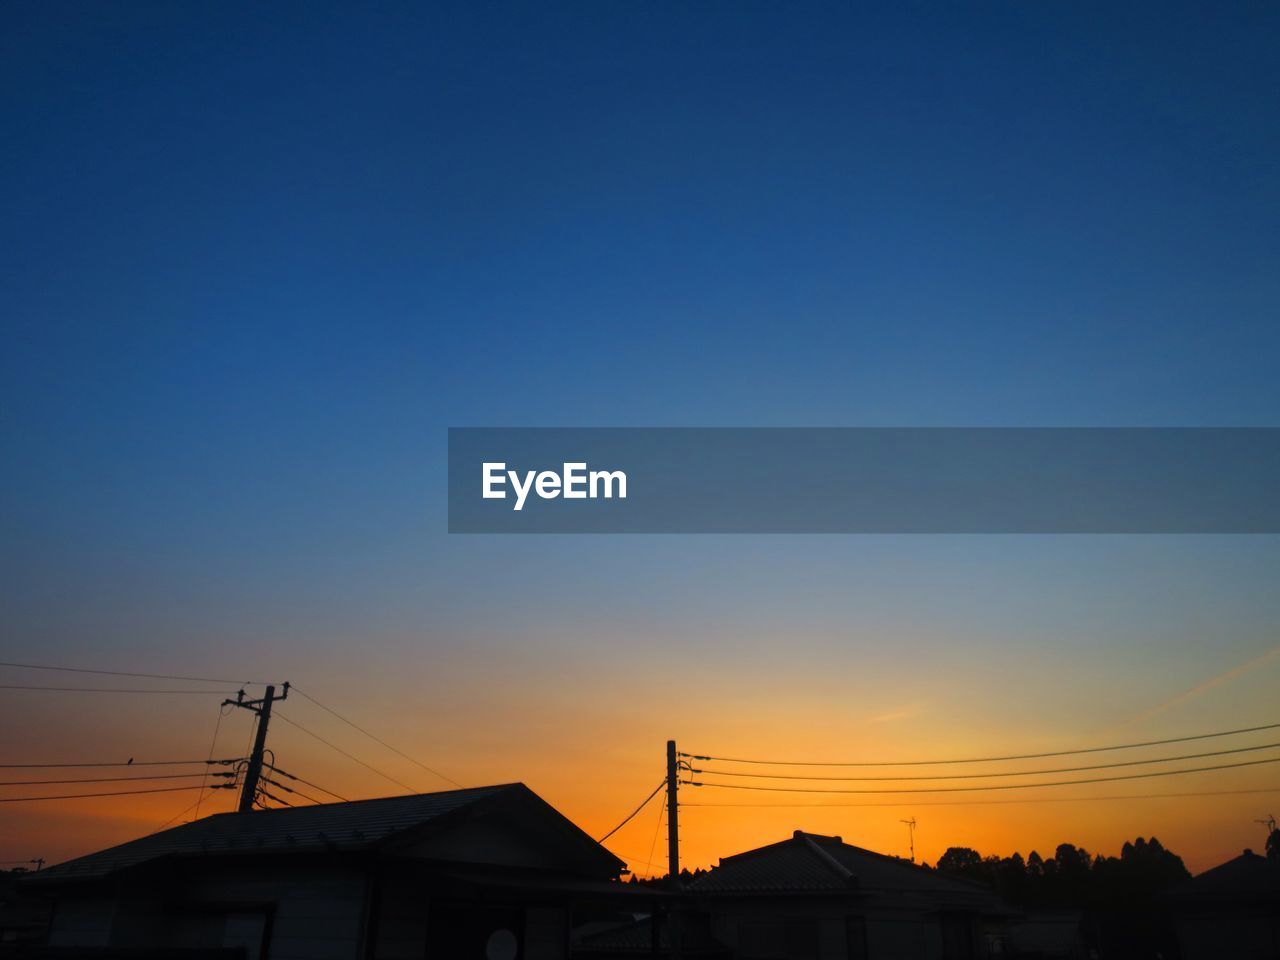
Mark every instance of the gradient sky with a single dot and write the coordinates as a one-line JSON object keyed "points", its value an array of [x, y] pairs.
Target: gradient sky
{"points": [[254, 263]]}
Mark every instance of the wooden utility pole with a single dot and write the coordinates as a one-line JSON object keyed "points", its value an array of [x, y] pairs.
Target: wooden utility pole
{"points": [[674, 925], [673, 817], [253, 772]]}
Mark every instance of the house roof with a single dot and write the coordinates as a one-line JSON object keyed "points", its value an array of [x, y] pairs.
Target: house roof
{"points": [[1248, 877], [350, 826], [813, 863]]}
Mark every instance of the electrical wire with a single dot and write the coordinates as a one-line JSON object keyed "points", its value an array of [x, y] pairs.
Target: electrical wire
{"points": [[630, 859], [286, 773], [377, 739], [271, 796], [993, 786], [116, 793], [162, 776], [213, 743], [176, 816], [629, 817], [19, 686], [117, 763], [1003, 800], [287, 789], [1020, 756], [332, 746], [1002, 773], [125, 673], [653, 845]]}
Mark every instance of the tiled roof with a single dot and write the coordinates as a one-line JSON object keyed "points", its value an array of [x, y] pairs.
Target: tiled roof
{"points": [[790, 865], [350, 826], [809, 862], [1246, 877]]}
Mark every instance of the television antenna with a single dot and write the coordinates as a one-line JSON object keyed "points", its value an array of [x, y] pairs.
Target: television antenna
{"points": [[1269, 823], [911, 836]]}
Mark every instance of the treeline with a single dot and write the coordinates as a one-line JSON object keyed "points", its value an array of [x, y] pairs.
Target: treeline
{"points": [[1072, 877]]}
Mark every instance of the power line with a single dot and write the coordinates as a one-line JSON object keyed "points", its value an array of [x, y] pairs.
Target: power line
{"points": [[653, 844], [213, 743], [1002, 773], [333, 746], [967, 803], [116, 793], [995, 786], [632, 814], [356, 726], [286, 789], [631, 859], [163, 776], [193, 806], [1020, 756], [271, 796], [285, 773], [18, 686], [125, 673], [118, 763]]}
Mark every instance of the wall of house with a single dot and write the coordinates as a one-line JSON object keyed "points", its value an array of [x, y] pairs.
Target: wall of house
{"points": [[405, 908], [765, 930], [307, 912], [82, 921], [793, 929], [317, 909], [904, 936], [1242, 934], [401, 915]]}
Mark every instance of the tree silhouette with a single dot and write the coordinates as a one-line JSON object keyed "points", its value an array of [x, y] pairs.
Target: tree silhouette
{"points": [[1072, 877]]}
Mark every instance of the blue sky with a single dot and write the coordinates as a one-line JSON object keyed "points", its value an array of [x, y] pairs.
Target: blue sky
{"points": [[255, 262]]}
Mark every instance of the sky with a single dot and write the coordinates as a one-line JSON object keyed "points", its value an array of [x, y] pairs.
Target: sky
{"points": [[255, 263]]}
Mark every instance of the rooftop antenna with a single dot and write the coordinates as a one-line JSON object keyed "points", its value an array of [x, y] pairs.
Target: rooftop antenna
{"points": [[1269, 823], [911, 835]]}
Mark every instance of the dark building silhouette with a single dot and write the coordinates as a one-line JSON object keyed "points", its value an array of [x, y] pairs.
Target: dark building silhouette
{"points": [[485, 872], [814, 897], [1232, 910], [23, 919]]}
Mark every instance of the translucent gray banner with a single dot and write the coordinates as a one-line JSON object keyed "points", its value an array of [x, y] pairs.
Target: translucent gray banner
{"points": [[864, 480]]}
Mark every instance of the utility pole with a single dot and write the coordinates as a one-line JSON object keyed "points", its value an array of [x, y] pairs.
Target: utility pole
{"points": [[911, 834], [673, 849], [253, 772], [673, 816]]}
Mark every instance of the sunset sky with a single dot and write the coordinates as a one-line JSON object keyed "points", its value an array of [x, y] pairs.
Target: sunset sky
{"points": [[255, 265]]}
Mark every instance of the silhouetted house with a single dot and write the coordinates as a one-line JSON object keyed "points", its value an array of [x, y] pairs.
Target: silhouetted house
{"points": [[1232, 910], [23, 919], [1047, 934], [817, 898], [484, 872], [648, 935]]}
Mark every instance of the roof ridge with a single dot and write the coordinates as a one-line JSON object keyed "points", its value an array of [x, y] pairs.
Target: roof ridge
{"points": [[223, 828], [840, 870], [347, 803]]}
